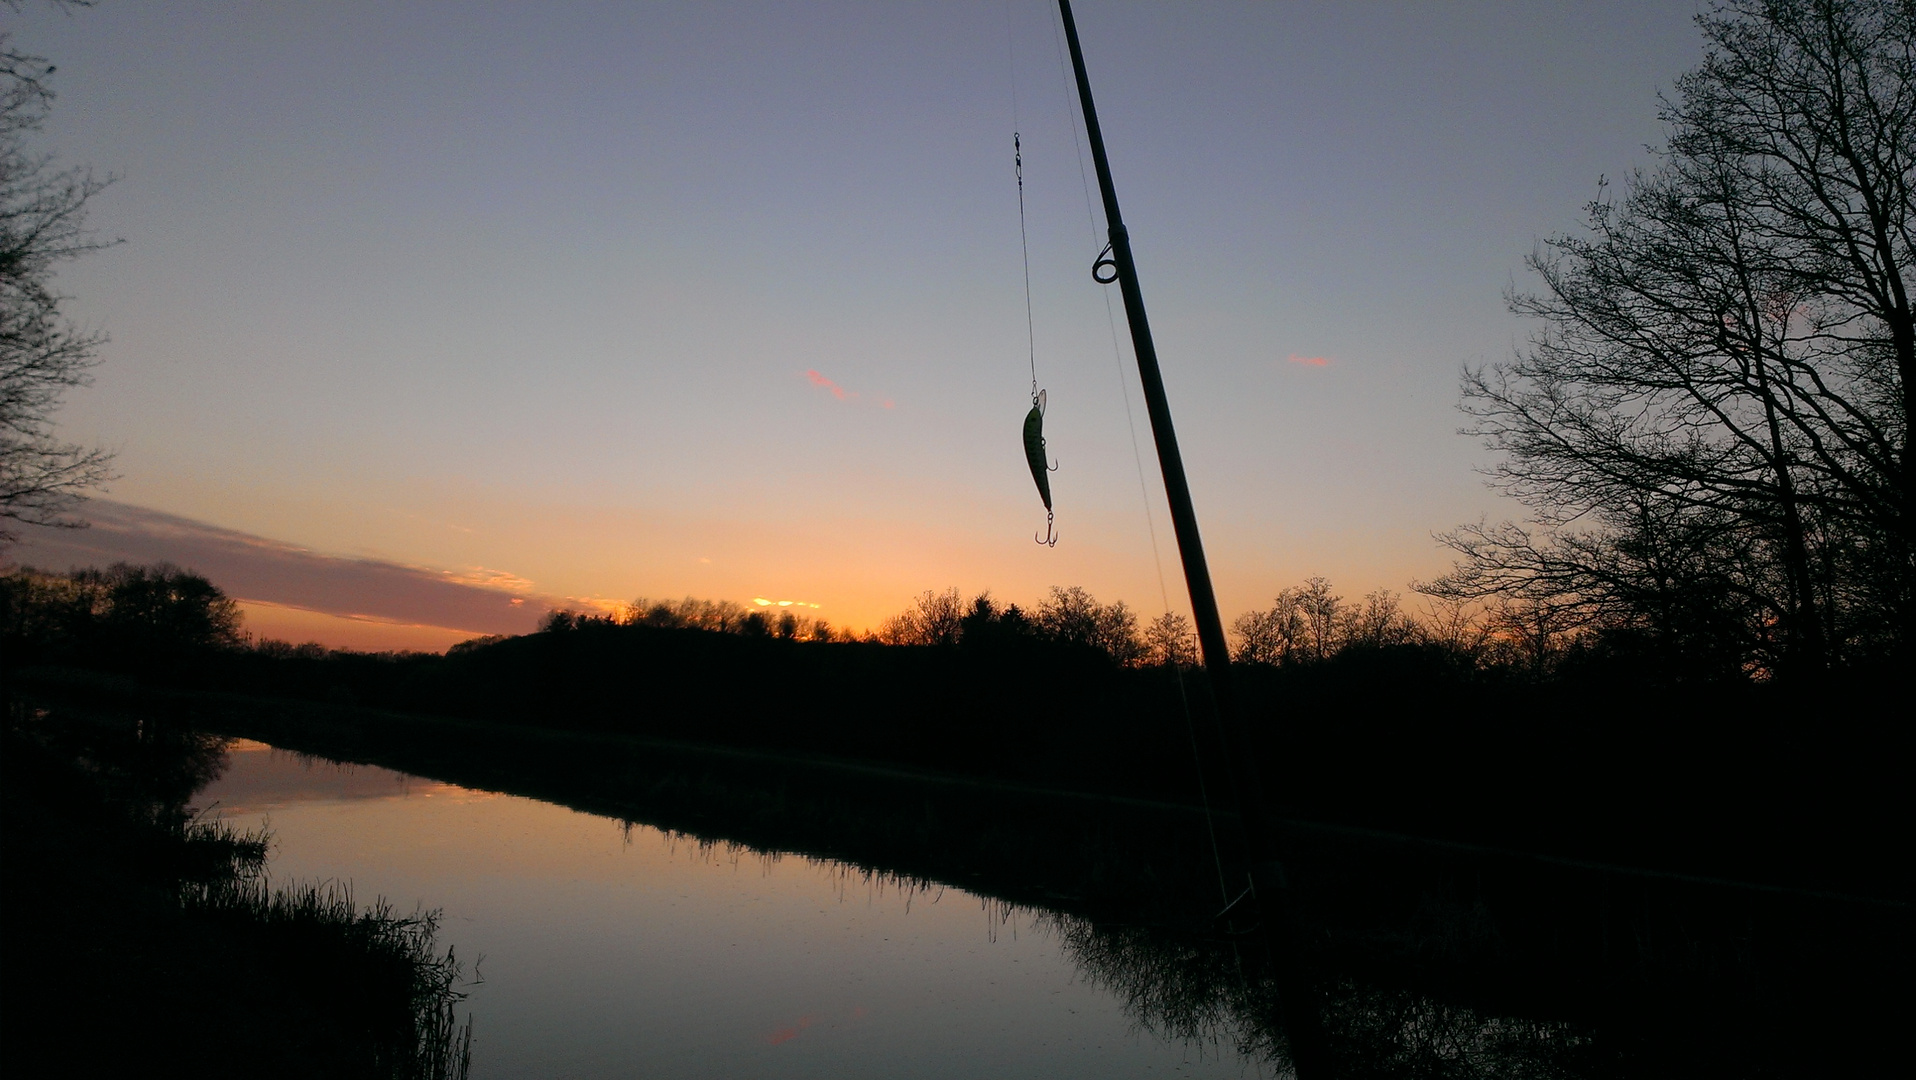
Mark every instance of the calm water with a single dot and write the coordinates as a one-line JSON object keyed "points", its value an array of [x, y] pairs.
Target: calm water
{"points": [[614, 950]]}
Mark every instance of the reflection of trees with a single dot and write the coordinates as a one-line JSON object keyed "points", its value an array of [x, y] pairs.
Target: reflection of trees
{"points": [[1418, 956], [1177, 987], [147, 767], [1376, 1032], [1180, 987]]}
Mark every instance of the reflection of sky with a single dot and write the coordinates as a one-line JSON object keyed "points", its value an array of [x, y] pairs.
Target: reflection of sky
{"points": [[260, 778], [611, 952], [725, 299]]}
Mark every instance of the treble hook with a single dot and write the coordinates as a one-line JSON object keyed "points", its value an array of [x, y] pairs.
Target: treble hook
{"points": [[1050, 538]]}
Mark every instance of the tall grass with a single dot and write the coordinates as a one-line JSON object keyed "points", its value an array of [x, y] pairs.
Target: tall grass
{"points": [[372, 953], [145, 909]]}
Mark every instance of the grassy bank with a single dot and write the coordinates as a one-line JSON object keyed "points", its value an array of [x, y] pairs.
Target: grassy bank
{"points": [[138, 939]]}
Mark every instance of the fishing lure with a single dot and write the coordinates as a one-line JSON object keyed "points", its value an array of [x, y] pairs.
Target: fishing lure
{"points": [[1035, 457]]}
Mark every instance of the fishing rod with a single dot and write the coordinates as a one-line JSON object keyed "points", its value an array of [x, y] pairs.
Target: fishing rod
{"points": [[1263, 900], [1116, 264]]}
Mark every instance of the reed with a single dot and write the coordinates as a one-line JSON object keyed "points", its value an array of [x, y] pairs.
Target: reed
{"points": [[166, 921], [403, 991]]}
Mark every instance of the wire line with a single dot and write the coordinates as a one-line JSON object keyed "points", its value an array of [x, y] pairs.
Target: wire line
{"points": [[1024, 246], [1018, 169]]}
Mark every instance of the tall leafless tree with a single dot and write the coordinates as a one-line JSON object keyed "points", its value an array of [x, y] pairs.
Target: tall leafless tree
{"points": [[42, 353], [1711, 428]]}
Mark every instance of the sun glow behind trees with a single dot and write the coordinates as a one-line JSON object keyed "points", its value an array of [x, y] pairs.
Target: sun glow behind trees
{"points": [[539, 292]]}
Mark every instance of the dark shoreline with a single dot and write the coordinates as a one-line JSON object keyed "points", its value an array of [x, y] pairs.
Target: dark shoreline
{"points": [[143, 939], [1652, 966], [1765, 784]]}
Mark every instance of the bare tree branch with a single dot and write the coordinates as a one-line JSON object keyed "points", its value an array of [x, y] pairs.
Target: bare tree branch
{"points": [[42, 353], [1717, 407]]}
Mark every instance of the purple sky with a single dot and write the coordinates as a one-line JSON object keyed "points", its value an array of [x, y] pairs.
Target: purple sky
{"points": [[725, 300]]}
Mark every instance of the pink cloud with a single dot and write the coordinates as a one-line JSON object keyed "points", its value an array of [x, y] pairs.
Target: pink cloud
{"points": [[813, 376], [1312, 361], [838, 391], [787, 1034]]}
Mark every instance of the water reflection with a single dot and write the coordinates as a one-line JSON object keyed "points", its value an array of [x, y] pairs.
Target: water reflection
{"points": [[1210, 993], [1179, 987], [613, 946], [1379, 1032], [258, 777]]}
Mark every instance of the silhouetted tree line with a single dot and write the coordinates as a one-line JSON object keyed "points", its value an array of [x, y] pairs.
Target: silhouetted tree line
{"points": [[691, 613], [1306, 624], [1468, 723], [1068, 616], [123, 616]]}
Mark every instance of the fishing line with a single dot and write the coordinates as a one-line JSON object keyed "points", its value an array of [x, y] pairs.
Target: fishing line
{"points": [[1024, 246], [1018, 170], [1034, 420], [1011, 63], [1111, 325], [1137, 458]]}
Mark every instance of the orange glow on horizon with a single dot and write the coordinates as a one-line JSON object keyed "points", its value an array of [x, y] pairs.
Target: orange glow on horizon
{"points": [[854, 573], [266, 620]]}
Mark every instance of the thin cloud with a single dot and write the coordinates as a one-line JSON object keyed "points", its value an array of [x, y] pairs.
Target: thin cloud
{"points": [[1311, 361], [254, 568], [813, 376], [252, 606], [838, 391], [483, 578], [787, 1034]]}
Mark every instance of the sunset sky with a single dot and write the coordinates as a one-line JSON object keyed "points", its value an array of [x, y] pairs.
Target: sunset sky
{"points": [[430, 316]]}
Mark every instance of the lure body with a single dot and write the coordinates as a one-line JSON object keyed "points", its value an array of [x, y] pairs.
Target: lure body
{"points": [[1034, 449]]}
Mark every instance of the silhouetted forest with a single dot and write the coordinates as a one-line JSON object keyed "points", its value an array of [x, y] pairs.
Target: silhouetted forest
{"points": [[1360, 714]]}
